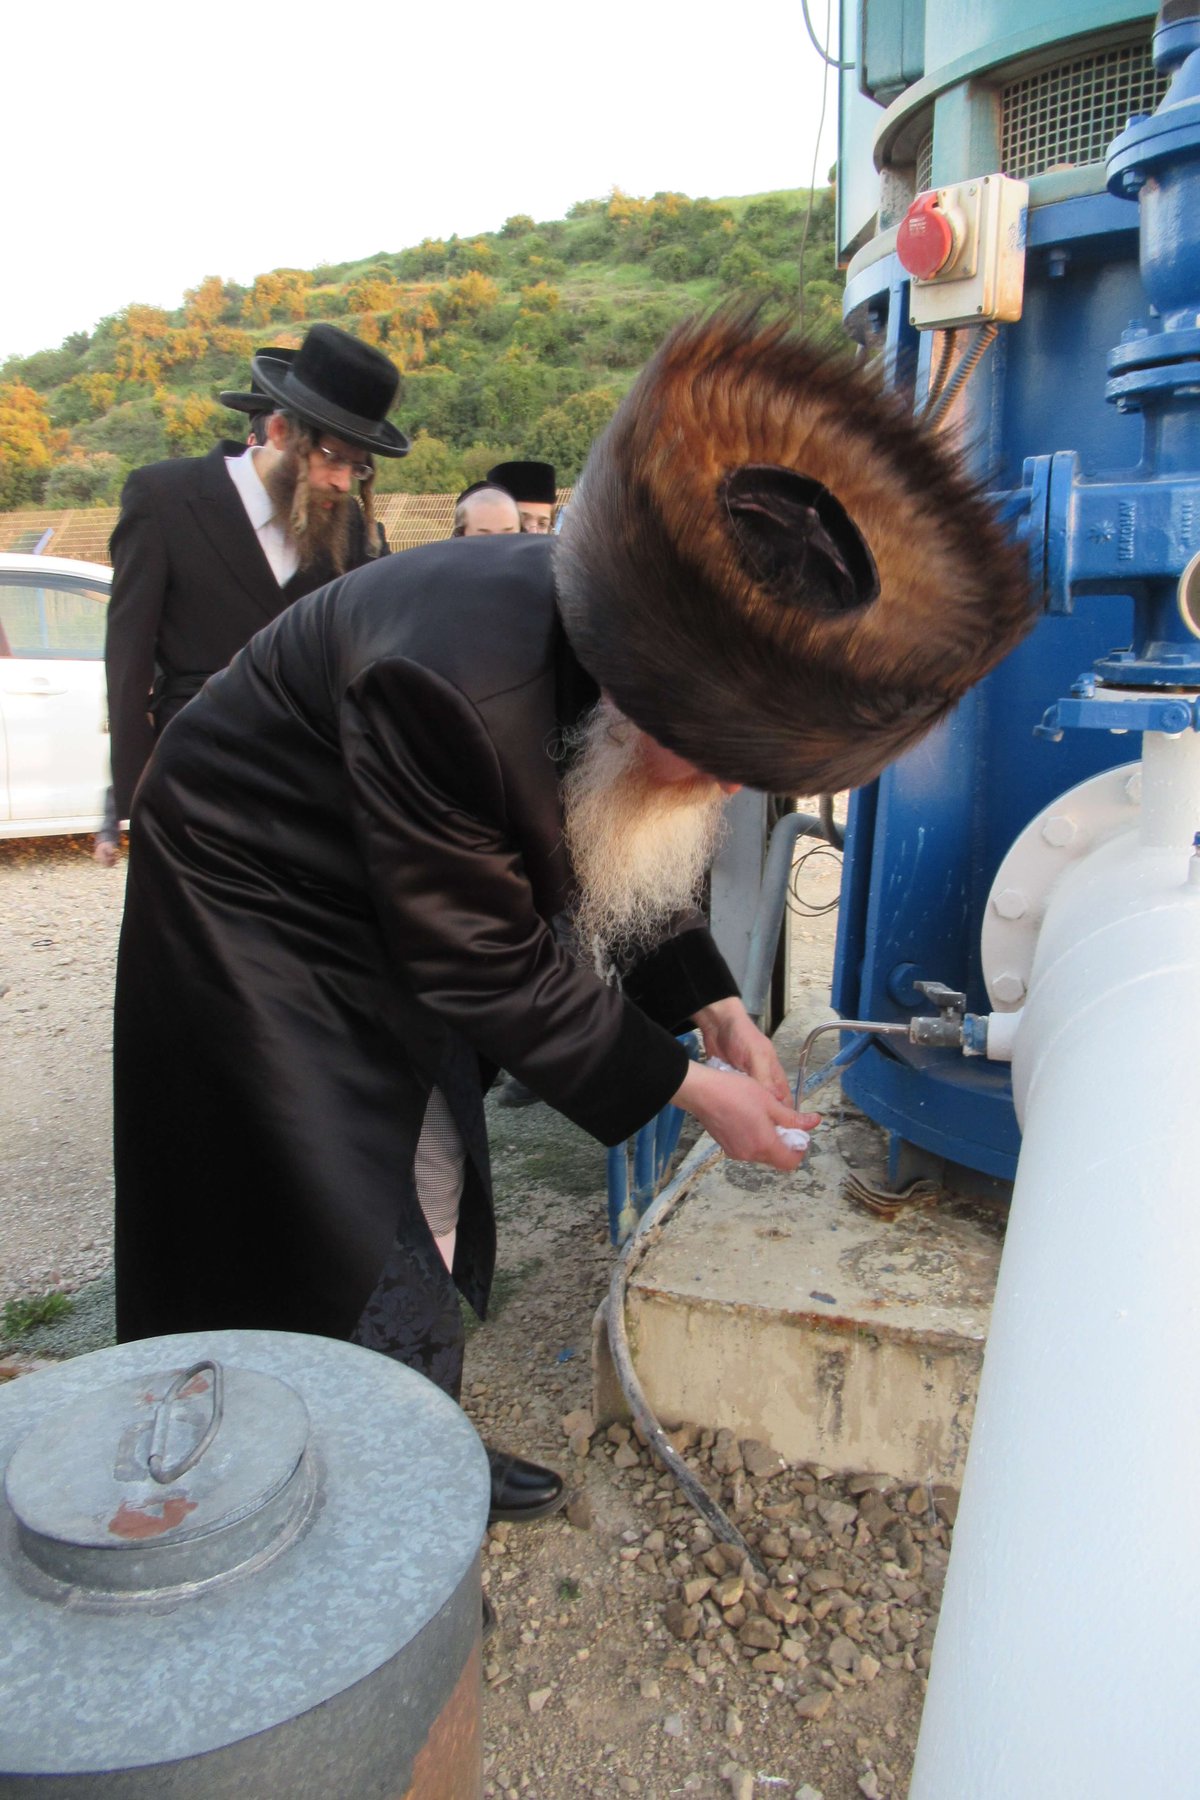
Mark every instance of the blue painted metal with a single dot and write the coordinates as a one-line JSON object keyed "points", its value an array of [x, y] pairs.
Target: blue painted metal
{"points": [[1085, 417], [650, 1152]]}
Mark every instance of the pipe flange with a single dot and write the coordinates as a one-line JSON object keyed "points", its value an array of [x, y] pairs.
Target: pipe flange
{"points": [[1069, 828]]}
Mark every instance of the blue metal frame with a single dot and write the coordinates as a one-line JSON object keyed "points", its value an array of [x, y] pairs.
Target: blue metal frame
{"points": [[650, 1152]]}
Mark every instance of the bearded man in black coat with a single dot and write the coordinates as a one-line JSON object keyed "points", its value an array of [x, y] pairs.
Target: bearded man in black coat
{"points": [[208, 550], [350, 850]]}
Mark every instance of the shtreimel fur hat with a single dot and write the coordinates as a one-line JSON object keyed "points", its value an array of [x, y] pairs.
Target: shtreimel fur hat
{"points": [[774, 569]]}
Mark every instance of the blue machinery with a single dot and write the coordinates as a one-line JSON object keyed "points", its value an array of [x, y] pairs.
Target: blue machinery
{"points": [[1084, 413]]}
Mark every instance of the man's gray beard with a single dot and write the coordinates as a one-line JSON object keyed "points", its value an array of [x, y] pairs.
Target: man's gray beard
{"points": [[328, 530], [639, 848]]}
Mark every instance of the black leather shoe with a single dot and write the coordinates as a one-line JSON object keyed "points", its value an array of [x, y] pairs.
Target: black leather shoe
{"points": [[522, 1491]]}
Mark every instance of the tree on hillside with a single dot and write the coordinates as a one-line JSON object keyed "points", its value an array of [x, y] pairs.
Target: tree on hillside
{"points": [[466, 296], [564, 434], [28, 445], [85, 481], [141, 335], [190, 421], [431, 467], [277, 295]]}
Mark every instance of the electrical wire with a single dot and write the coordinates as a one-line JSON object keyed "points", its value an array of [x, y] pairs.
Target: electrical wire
{"points": [[942, 371], [796, 903], [812, 186], [822, 51], [981, 338]]}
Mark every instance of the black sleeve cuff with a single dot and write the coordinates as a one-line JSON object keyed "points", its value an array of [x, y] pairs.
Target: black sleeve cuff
{"points": [[675, 980]]}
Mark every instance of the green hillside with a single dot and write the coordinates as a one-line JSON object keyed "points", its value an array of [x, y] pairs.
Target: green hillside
{"points": [[519, 341]]}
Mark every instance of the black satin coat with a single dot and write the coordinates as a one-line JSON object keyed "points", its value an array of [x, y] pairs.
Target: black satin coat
{"points": [[345, 856], [191, 585]]}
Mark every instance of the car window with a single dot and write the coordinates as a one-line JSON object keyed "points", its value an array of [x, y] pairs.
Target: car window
{"points": [[50, 616]]}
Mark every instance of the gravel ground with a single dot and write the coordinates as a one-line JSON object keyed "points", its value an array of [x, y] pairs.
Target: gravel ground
{"points": [[632, 1655]]}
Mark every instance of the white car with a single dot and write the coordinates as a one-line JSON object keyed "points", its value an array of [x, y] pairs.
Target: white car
{"points": [[54, 763]]}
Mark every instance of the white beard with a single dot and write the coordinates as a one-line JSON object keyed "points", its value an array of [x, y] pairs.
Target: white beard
{"points": [[639, 847]]}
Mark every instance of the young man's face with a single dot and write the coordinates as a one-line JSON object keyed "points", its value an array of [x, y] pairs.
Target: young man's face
{"points": [[537, 516]]}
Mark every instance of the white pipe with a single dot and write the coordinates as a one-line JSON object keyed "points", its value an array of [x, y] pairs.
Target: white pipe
{"points": [[1064, 1664]]}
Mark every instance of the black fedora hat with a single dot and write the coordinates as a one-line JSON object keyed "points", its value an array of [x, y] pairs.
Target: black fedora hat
{"points": [[257, 400], [338, 384]]}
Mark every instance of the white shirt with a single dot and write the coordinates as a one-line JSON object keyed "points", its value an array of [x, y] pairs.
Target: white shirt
{"points": [[277, 546]]}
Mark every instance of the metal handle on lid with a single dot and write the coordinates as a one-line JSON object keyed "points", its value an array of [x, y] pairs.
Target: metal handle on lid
{"points": [[162, 1423]]}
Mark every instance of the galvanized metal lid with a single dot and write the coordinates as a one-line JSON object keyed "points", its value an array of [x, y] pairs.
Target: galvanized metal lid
{"points": [[181, 1477], [110, 1657]]}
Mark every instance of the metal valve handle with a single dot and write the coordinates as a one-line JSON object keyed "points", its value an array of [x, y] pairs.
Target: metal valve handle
{"points": [[162, 1423]]}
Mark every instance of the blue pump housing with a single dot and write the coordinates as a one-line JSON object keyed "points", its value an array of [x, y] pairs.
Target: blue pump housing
{"points": [[1085, 417]]}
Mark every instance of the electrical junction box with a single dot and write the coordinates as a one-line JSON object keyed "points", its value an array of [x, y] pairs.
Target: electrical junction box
{"points": [[964, 249]]}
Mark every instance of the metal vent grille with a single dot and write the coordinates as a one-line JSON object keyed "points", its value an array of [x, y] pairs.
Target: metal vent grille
{"points": [[1070, 113], [924, 172]]}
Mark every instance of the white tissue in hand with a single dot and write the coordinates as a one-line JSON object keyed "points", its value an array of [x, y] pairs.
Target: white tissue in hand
{"points": [[790, 1136]]}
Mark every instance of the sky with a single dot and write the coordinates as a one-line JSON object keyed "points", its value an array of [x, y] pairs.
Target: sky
{"points": [[146, 146]]}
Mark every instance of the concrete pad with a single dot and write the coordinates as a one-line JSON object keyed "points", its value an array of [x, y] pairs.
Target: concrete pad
{"points": [[777, 1308]]}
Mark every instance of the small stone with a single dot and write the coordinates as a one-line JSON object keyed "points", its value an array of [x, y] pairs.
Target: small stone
{"points": [[843, 1653], [683, 1622], [538, 1699], [837, 1514], [760, 1459], [869, 1787], [728, 1592], [726, 1456], [683, 1437], [735, 1615], [869, 1484], [769, 1663], [654, 1543], [760, 1634], [625, 1457], [777, 1606], [945, 1500], [628, 1785], [741, 1783], [814, 1706], [648, 1688], [673, 1724], [819, 1581], [695, 1591], [774, 1545], [579, 1511], [714, 1561], [579, 1443], [868, 1668], [919, 1501], [733, 1724], [794, 1651], [876, 1514], [808, 1793], [579, 1420]]}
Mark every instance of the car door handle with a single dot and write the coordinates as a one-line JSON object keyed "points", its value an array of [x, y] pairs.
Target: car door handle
{"points": [[38, 686]]}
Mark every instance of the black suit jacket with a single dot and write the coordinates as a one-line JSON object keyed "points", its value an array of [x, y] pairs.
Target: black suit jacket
{"points": [[191, 585], [347, 854]]}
